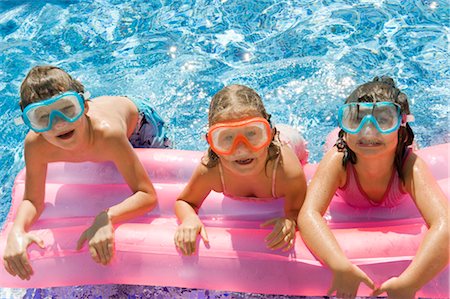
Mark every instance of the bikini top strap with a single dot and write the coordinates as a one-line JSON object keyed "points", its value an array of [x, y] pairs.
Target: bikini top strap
{"points": [[221, 178], [274, 175]]}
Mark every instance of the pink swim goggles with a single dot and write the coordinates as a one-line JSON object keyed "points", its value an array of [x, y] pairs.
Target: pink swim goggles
{"points": [[254, 132]]}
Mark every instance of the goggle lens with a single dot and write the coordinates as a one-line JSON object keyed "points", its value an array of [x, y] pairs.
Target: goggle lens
{"points": [[40, 116], [224, 137], [384, 115]]}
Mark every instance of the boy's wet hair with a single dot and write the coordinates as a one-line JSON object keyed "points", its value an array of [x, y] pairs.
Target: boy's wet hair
{"points": [[380, 89], [44, 82], [241, 101]]}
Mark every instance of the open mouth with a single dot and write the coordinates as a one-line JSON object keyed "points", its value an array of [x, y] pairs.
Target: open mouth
{"points": [[244, 161], [66, 135], [369, 143]]}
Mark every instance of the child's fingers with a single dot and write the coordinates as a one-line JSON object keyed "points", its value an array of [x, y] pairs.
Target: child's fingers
{"points": [[192, 240], [27, 267], [187, 242], [204, 235], [290, 245], [94, 254], [8, 268], [107, 251], [110, 250], [275, 232], [277, 236], [368, 281], [101, 252], [179, 242], [14, 268], [19, 269], [276, 241], [285, 242], [37, 240], [378, 292], [100, 247], [271, 236]]}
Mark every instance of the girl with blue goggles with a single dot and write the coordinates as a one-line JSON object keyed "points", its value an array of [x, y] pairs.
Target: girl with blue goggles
{"points": [[40, 116], [385, 116]]}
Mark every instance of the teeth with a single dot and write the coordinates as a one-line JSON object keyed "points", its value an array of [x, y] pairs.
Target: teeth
{"points": [[369, 142]]}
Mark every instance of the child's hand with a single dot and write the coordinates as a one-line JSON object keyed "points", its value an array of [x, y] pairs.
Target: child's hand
{"points": [[283, 233], [101, 239], [346, 283], [186, 235], [395, 289], [15, 258]]}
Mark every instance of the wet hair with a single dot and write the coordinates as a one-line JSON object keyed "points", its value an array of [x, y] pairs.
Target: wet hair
{"points": [[43, 82], [240, 101], [380, 89]]}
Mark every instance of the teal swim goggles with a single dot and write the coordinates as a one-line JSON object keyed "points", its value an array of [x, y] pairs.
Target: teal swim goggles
{"points": [[67, 106], [385, 116]]}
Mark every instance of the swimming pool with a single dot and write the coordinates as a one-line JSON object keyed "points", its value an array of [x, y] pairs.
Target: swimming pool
{"points": [[303, 57]]}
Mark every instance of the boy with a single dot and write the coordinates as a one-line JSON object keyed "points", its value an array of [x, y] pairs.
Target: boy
{"points": [[65, 126]]}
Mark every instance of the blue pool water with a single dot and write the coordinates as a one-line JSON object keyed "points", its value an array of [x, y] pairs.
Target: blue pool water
{"points": [[303, 57]]}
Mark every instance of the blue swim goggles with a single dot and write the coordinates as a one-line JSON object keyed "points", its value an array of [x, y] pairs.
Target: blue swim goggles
{"points": [[385, 116], [40, 116]]}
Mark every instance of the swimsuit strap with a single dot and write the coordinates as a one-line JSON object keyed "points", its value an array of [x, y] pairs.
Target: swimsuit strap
{"points": [[221, 179], [274, 175]]}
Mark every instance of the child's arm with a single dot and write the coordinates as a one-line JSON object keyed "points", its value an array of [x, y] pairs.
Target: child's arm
{"points": [[318, 237], [294, 186], [186, 208], [15, 256], [433, 253], [100, 234]]}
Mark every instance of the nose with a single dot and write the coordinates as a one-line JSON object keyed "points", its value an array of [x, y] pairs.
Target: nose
{"points": [[59, 123], [241, 148], [369, 128]]}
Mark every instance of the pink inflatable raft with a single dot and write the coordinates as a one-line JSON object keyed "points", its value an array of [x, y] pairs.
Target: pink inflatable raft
{"points": [[381, 242]]}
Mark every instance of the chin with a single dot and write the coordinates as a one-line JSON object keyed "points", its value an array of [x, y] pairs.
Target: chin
{"points": [[253, 168]]}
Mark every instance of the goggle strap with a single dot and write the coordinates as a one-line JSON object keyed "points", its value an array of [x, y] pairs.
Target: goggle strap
{"points": [[18, 121], [410, 118], [406, 118], [86, 95]]}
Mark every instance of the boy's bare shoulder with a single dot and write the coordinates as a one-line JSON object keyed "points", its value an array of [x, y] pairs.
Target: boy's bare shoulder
{"points": [[112, 106], [36, 146], [112, 101], [113, 116], [112, 98]]}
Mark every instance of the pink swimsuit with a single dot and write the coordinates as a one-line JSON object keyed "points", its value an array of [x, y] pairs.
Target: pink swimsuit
{"points": [[354, 195]]}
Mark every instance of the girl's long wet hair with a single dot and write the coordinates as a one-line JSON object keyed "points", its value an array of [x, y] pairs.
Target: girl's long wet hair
{"points": [[381, 89], [241, 101], [45, 81]]}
